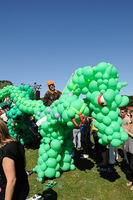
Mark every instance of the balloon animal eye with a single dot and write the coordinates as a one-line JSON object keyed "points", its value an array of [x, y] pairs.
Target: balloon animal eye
{"points": [[101, 100]]}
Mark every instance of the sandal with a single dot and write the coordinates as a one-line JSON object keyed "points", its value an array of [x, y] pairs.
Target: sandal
{"points": [[129, 184]]}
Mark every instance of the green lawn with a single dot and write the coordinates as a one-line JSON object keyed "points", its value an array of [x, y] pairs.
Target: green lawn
{"points": [[84, 183]]}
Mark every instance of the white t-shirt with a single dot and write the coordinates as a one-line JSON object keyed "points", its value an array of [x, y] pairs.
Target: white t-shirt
{"points": [[4, 117]]}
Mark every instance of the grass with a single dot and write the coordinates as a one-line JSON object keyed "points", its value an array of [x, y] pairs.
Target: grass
{"points": [[84, 183]]}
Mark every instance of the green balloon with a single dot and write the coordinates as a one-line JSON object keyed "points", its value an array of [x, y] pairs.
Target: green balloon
{"points": [[47, 140], [72, 167], [116, 135], [67, 158], [65, 116], [57, 174], [116, 142], [43, 167], [112, 84], [45, 157], [45, 125], [41, 150], [93, 86], [30, 110], [66, 104], [50, 172], [105, 110], [78, 72], [105, 139], [40, 160], [77, 92], [107, 120], [84, 90], [42, 133], [109, 131], [55, 144], [60, 108], [52, 153], [102, 127], [124, 136], [46, 147], [118, 99], [58, 158], [115, 126], [109, 96], [54, 135], [75, 79], [120, 121], [113, 115], [70, 113], [65, 166], [41, 174], [109, 138], [70, 85], [99, 117], [82, 82], [88, 72], [51, 162], [70, 124]]}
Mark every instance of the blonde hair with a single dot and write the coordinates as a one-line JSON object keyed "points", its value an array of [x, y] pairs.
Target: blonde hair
{"points": [[4, 134]]}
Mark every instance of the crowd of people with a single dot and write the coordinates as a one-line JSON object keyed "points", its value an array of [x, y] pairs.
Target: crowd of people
{"points": [[85, 137], [13, 178]]}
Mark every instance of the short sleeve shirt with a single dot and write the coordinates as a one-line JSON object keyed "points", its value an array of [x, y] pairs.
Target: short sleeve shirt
{"points": [[15, 151]]}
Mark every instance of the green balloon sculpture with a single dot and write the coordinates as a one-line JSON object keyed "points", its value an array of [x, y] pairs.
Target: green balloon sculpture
{"points": [[101, 86]]}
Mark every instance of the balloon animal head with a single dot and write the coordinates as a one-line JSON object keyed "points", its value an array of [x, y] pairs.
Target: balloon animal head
{"points": [[101, 86]]}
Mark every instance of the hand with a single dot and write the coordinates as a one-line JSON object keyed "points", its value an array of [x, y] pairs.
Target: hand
{"points": [[126, 130]]}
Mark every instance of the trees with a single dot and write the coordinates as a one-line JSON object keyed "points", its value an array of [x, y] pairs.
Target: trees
{"points": [[4, 83], [130, 101]]}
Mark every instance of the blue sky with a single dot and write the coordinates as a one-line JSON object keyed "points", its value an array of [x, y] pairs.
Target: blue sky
{"points": [[43, 40]]}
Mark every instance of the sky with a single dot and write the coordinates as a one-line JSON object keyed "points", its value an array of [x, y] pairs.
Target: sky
{"points": [[43, 40]]}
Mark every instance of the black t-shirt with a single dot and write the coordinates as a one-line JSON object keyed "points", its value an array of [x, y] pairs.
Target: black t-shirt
{"points": [[15, 151]]}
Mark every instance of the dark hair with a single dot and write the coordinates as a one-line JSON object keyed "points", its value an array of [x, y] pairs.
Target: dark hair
{"points": [[125, 109]]}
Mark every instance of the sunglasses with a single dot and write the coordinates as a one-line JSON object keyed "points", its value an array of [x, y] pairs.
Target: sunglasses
{"points": [[131, 115], [122, 112]]}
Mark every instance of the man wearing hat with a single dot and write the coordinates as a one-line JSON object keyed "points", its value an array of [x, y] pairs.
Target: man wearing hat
{"points": [[52, 94]]}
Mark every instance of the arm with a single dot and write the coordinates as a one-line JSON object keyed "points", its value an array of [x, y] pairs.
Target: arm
{"points": [[129, 133], [45, 99], [59, 94], [9, 170]]}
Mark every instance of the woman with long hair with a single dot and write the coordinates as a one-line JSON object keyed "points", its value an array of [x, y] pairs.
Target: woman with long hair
{"points": [[13, 178]]}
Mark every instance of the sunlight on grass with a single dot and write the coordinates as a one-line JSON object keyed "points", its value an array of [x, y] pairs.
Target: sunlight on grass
{"points": [[81, 184]]}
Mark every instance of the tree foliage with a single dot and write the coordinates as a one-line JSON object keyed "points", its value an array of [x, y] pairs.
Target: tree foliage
{"points": [[130, 101], [4, 83]]}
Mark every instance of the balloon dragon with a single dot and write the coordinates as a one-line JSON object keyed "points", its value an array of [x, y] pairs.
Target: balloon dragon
{"points": [[102, 101]]}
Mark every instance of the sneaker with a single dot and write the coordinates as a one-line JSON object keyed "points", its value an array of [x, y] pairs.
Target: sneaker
{"points": [[35, 197], [102, 169], [83, 156], [29, 172]]}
